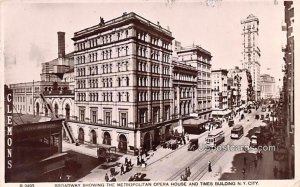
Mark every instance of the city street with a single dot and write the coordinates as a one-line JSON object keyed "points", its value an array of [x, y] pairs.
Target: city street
{"points": [[165, 164]]}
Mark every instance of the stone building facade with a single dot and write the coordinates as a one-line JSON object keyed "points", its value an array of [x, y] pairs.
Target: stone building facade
{"points": [[123, 82]]}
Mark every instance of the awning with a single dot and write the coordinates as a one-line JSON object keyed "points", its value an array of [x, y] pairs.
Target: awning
{"points": [[194, 122], [220, 112]]}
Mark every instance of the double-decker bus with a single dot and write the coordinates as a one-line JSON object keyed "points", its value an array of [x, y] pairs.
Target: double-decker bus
{"points": [[214, 138], [237, 132]]}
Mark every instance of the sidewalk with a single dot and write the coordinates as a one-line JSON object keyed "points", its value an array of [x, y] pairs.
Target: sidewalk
{"points": [[99, 172], [231, 168]]}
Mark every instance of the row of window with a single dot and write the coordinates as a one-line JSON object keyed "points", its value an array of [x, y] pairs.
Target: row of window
{"points": [[107, 114], [166, 82], [155, 95], [184, 77], [105, 54], [155, 82], [156, 114], [106, 68], [21, 99], [154, 54], [166, 70], [27, 90], [142, 66], [155, 68], [165, 57], [153, 40], [190, 57], [204, 74], [102, 40], [106, 82], [141, 51], [106, 96]]}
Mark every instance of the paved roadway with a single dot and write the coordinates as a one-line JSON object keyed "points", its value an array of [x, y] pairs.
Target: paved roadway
{"points": [[171, 167], [167, 165]]}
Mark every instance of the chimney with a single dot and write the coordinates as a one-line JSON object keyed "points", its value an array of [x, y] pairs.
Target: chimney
{"points": [[61, 44]]}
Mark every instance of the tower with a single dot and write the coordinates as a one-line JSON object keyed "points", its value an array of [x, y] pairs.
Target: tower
{"points": [[251, 51]]}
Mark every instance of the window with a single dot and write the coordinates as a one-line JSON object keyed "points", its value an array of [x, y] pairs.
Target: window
{"points": [[120, 97], [119, 81], [127, 81], [167, 113], [155, 115], [123, 119], [82, 114], [143, 115], [127, 96], [94, 115], [107, 118]]}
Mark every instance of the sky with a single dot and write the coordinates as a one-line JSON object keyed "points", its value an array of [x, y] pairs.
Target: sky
{"points": [[30, 29]]}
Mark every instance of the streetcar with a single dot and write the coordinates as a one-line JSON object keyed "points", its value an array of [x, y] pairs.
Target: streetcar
{"points": [[214, 138], [237, 132]]}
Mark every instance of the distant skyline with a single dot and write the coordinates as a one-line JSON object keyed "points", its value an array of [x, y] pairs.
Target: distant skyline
{"points": [[30, 30]]}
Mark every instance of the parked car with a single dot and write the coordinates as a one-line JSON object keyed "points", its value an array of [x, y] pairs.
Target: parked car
{"points": [[193, 145]]}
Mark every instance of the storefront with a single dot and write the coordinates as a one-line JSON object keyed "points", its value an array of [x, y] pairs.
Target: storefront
{"points": [[37, 147]]}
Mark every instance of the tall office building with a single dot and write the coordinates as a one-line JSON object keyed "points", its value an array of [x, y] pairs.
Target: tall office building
{"points": [[123, 93], [199, 58], [251, 51]]}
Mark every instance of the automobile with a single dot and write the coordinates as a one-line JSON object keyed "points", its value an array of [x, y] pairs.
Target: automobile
{"points": [[193, 145], [218, 124], [262, 117]]}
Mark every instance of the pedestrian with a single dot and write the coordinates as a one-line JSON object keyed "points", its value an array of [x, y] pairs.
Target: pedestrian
{"points": [[209, 167], [129, 162], [126, 160], [189, 171], [245, 160], [122, 169], [184, 142], [127, 167], [181, 178], [275, 171], [106, 177], [186, 172], [138, 161]]}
